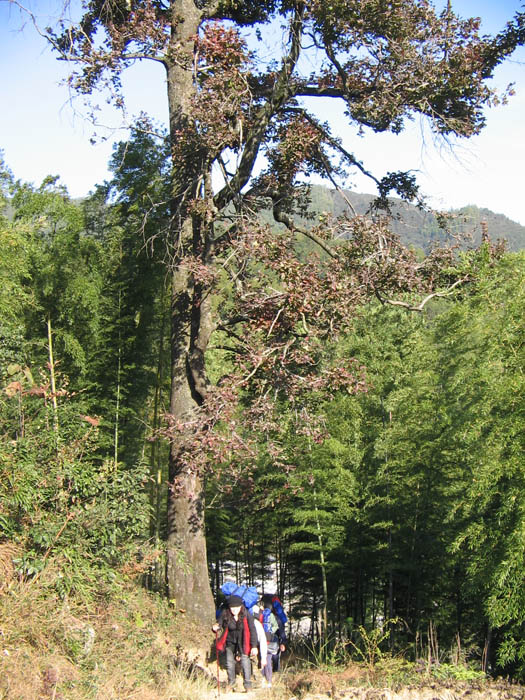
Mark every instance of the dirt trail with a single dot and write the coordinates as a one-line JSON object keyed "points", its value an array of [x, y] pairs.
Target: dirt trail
{"points": [[434, 691], [315, 685]]}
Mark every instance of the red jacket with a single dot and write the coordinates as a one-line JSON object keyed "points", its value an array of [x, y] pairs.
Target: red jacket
{"points": [[247, 644]]}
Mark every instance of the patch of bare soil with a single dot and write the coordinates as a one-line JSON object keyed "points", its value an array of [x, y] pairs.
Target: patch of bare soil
{"points": [[318, 685], [353, 683]]}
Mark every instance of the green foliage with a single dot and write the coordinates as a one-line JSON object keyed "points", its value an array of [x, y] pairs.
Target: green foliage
{"points": [[248, 12], [488, 417], [323, 481], [61, 274], [327, 653], [457, 672], [58, 500], [416, 483], [129, 364], [369, 646], [76, 268], [16, 297], [452, 495]]}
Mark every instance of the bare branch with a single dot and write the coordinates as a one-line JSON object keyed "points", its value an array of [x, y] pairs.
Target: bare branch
{"points": [[421, 306], [285, 219], [280, 93]]}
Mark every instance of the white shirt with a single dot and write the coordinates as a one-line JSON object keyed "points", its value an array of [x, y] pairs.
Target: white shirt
{"points": [[263, 644]]}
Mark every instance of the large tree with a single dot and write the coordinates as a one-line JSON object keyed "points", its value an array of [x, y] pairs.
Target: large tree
{"points": [[251, 120]]}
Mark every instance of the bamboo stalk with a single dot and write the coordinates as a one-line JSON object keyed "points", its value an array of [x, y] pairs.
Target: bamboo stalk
{"points": [[52, 376]]}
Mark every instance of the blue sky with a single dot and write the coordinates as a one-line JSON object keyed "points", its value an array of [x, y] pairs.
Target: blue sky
{"points": [[42, 133]]}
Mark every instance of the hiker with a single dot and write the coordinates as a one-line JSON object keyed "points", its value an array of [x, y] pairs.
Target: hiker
{"points": [[275, 635], [238, 639], [261, 638]]}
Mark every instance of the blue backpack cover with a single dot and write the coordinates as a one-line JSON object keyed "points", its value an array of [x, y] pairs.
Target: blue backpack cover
{"points": [[248, 594], [278, 610]]}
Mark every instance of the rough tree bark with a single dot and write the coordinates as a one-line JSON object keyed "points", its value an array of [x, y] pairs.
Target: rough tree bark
{"points": [[187, 567]]}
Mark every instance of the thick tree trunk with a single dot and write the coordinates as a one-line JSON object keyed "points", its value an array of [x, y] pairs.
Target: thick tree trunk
{"points": [[187, 569], [188, 577]]}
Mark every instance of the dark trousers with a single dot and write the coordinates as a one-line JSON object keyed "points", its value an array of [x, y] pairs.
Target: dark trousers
{"points": [[246, 666]]}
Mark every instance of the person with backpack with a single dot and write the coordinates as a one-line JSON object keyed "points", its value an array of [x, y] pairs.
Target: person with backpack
{"points": [[276, 638], [238, 639]]}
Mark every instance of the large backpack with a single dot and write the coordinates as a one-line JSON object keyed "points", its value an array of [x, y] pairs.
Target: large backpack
{"points": [[269, 623], [277, 607]]}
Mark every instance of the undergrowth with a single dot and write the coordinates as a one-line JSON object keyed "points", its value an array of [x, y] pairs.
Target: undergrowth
{"points": [[125, 643]]}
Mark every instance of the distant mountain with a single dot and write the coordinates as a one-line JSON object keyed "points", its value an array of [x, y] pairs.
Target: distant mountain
{"points": [[419, 228]]}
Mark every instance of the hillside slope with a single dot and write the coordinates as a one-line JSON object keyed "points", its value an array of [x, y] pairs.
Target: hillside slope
{"points": [[420, 228]]}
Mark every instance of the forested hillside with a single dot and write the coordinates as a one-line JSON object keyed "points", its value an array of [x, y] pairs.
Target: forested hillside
{"points": [[422, 228], [396, 498], [206, 375]]}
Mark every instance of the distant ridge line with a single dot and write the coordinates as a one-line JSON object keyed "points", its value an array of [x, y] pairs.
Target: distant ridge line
{"points": [[420, 228]]}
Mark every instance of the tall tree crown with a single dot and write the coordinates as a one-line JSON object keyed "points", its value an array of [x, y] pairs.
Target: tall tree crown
{"points": [[384, 60]]}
